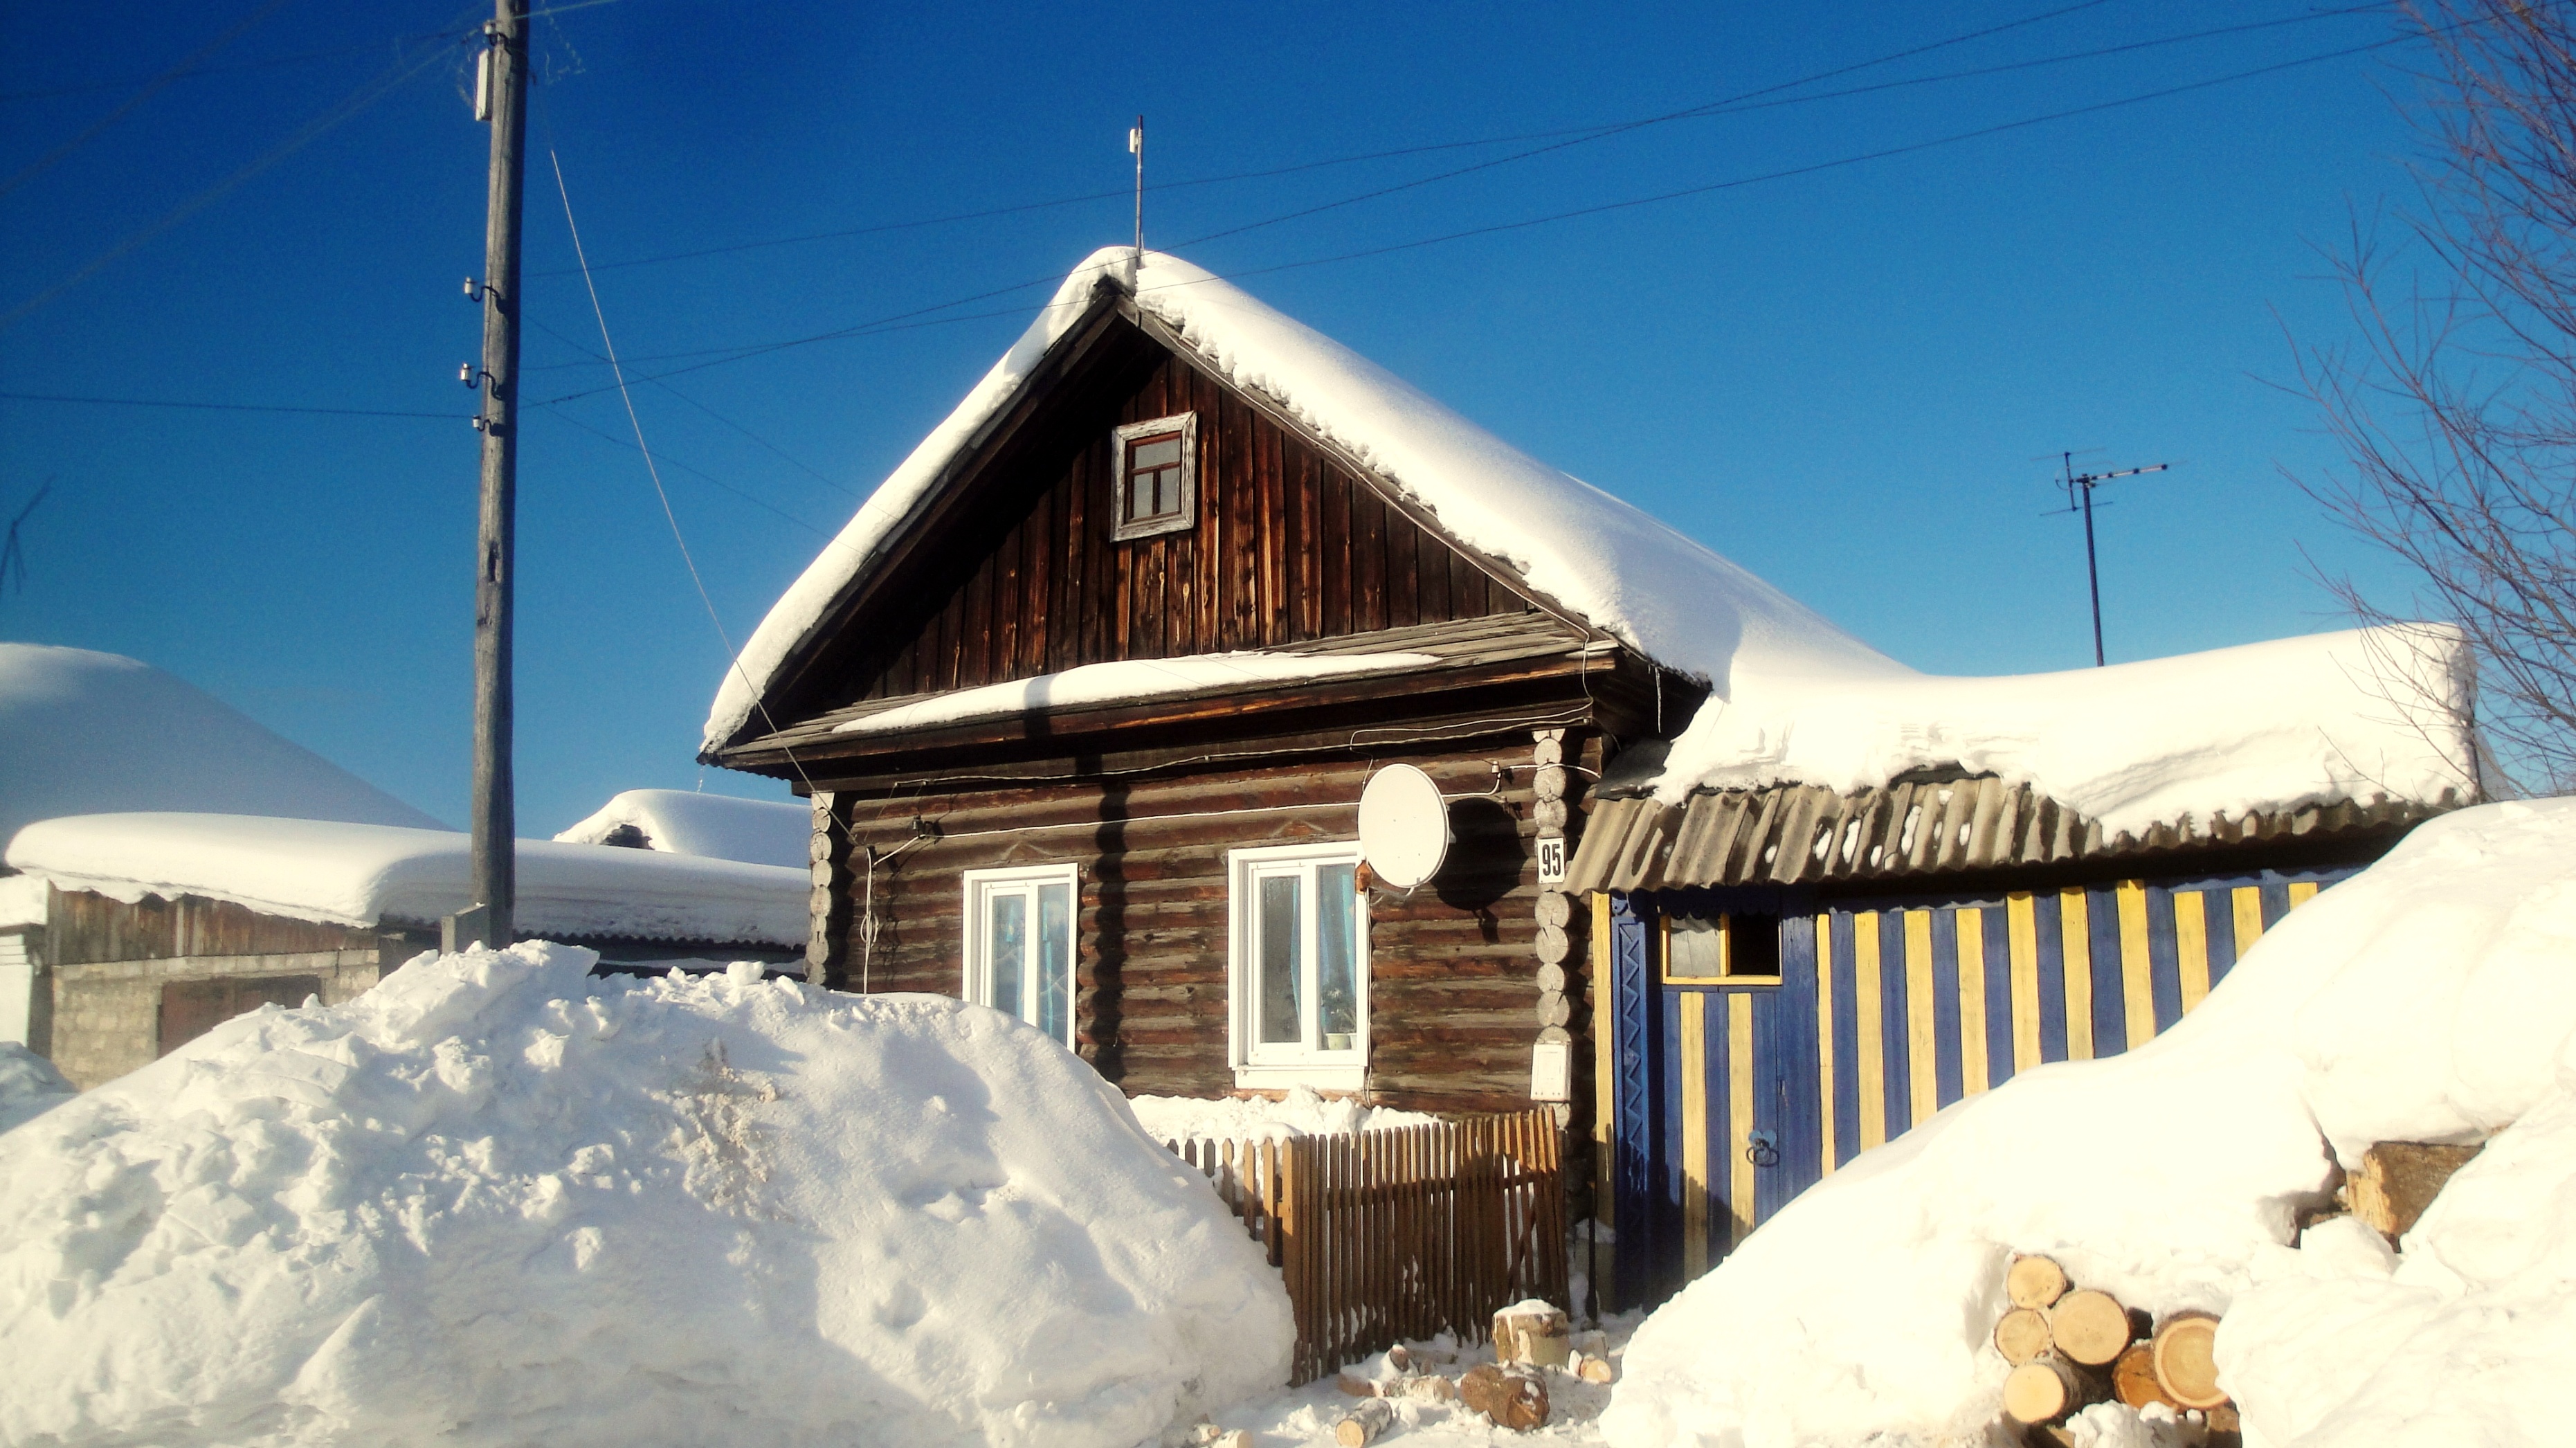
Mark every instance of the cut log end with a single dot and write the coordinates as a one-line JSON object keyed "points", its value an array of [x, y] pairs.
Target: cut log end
{"points": [[2133, 1378], [2035, 1281], [1364, 1423], [2021, 1335], [2089, 1327], [2046, 1390], [2186, 1364]]}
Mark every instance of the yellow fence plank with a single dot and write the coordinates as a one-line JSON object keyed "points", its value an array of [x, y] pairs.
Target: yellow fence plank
{"points": [[1973, 1076]]}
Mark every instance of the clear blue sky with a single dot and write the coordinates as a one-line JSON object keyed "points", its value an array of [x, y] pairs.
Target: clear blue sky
{"points": [[1838, 378]]}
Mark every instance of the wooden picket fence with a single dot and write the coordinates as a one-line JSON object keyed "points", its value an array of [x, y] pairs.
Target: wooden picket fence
{"points": [[1384, 1236]]}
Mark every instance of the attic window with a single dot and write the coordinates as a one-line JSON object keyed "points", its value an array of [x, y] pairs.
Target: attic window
{"points": [[1157, 476]]}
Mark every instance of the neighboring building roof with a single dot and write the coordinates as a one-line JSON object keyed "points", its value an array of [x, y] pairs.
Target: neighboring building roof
{"points": [[364, 875], [720, 827], [1615, 566], [88, 733]]}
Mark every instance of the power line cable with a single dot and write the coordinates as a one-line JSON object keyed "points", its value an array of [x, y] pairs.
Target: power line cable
{"points": [[150, 89], [364, 96], [1580, 135], [559, 415], [890, 323], [632, 421], [224, 406]]}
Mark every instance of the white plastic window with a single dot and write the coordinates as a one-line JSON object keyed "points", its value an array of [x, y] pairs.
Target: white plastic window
{"points": [[1299, 972], [1019, 944]]}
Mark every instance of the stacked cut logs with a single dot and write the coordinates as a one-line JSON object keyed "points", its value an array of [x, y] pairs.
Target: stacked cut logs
{"points": [[1530, 1338], [2070, 1347]]}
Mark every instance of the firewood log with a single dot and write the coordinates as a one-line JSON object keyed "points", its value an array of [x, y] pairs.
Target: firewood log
{"points": [[2399, 1179], [2185, 1365], [1593, 1368], [1364, 1422], [2022, 1334], [1355, 1387], [2133, 1377], [1514, 1400], [2089, 1327], [2034, 1281], [2045, 1390], [1427, 1388]]}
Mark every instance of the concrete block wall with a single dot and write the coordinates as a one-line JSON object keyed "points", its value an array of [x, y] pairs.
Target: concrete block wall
{"points": [[107, 1014]]}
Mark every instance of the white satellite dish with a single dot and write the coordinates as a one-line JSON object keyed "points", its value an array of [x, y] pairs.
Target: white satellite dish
{"points": [[1404, 826]]}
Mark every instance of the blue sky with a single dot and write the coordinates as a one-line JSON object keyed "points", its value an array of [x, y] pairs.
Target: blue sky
{"points": [[1839, 378]]}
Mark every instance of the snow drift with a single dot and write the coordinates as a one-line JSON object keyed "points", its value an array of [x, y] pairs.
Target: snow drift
{"points": [[496, 1201], [682, 822], [2427, 999], [86, 733]]}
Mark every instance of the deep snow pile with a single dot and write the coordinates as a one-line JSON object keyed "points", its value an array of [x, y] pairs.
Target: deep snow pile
{"points": [[2428, 998], [84, 733], [496, 1201], [1301, 1111], [29, 1085], [682, 822]]}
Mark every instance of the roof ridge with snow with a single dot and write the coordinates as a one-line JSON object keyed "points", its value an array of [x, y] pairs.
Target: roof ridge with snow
{"points": [[1622, 570]]}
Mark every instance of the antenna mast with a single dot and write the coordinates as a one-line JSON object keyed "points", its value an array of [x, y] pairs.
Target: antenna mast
{"points": [[2072, 480], [11, 554], [1136, 146]]}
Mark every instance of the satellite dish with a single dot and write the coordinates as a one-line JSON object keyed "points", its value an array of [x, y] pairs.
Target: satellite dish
{"points": [[1404, 826]]}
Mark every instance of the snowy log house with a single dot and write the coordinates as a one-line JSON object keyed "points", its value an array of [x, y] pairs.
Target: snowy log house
{"points": [[1085, 694]]}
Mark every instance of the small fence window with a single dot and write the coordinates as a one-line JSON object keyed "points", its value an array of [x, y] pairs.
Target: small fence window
{"points": [[1300, 967], [1157, 476], [1019, 944], [1721, 949]]}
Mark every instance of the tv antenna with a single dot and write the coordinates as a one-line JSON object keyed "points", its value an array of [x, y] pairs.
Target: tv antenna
{"points": [[1136, 146], [2079, 498], [12, 556]]}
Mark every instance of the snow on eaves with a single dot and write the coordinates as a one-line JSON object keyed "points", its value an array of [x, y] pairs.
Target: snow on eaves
{"points": [[1662, 594], [351, 874], [1124, 680]]}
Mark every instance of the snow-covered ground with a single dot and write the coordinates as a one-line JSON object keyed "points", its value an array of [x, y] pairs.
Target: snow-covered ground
{"points": [[2430, 998], [1300, 1111], [1306, 1416], [83, 732], [495, 1200]]}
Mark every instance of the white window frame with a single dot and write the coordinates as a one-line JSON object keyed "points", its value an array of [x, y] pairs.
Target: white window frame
{"points": [[1273, 1065], [977, 983], [1124, 527]]}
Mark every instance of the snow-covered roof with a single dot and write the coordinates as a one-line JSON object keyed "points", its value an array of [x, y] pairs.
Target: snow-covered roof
{"points": [[682, 822], [1126, 679], [356, 874], [1793, 699], [83, 732], [1619, 568], [2259, 727]]}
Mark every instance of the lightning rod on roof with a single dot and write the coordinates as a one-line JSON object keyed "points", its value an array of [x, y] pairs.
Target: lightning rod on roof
{"points": [[2072, 480]]}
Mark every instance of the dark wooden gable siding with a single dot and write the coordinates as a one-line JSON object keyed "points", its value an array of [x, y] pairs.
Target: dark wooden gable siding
{"points": [[1287, 545]]}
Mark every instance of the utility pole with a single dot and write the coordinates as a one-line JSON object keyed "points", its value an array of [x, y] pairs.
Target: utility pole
{"points": [[2072, 480], [501, 98]]}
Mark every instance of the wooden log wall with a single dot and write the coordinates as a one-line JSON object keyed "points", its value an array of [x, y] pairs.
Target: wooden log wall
{"points": [[1452, 969], [85, 927], [1286, 546]]}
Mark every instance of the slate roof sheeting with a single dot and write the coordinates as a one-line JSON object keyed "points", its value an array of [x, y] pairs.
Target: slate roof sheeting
{"points": [[1794, 834]]}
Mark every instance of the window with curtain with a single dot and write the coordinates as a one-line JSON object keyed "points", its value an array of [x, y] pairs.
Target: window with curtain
{"points": [[1299, 974]]}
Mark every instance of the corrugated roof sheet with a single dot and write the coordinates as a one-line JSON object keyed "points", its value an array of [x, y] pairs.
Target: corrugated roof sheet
{"points": [[1807, 834]]}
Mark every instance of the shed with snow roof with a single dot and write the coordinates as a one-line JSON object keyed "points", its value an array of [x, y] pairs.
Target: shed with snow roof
{"points": [[1085, 694], [152, 928]]}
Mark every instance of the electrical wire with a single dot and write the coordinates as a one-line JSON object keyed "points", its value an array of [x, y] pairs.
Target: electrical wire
{"points": [[150, 89], [916, 315], [225, 406]]}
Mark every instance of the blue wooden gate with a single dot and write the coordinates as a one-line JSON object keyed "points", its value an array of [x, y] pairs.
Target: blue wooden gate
{"points": [[1732, 1095]]}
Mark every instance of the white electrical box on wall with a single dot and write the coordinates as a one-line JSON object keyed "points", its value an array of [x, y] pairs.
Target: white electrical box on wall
{"points": [[1552, 1071]]}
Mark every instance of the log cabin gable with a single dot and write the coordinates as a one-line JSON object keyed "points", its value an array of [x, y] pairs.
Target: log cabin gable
{"points": [[1012, 567]]}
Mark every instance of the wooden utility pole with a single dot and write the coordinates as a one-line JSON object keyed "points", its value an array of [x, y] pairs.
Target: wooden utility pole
{"points": [[501, 98]]}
